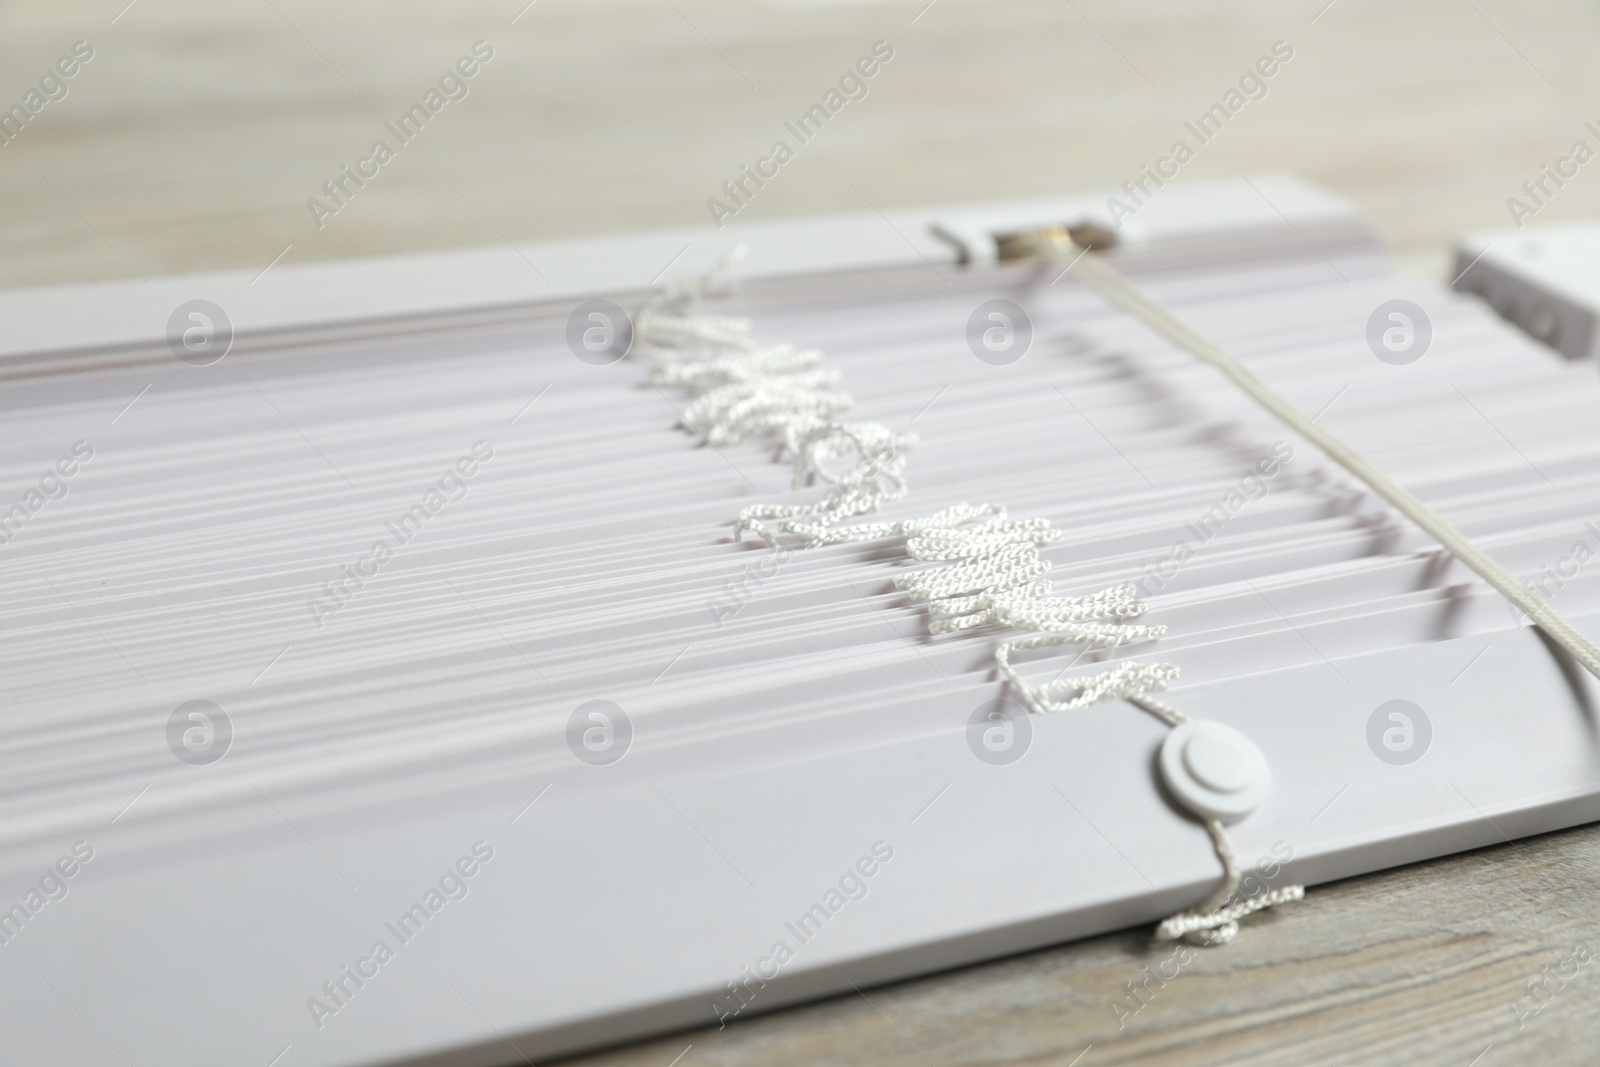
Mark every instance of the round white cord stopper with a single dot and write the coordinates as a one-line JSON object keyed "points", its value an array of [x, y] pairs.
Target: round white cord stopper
{"points": [[1214, 770]]}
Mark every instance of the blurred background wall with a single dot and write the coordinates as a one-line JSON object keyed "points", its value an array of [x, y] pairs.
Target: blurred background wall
{"points": [[200, 128]]}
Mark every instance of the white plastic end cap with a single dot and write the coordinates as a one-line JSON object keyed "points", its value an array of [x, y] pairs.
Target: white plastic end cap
{"points": [[1214, 770]]}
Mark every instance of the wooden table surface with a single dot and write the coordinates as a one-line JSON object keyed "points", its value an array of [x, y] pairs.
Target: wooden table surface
{"points": [[198, 131]]}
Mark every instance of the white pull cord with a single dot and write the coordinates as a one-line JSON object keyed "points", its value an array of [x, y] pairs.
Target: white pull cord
{"points": [[993, 576], [748, 391], [1215, 921], [1088, 267], [876, 477]]}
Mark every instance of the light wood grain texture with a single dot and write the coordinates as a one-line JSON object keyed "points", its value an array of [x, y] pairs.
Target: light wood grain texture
{"points": [[196, 135]]}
